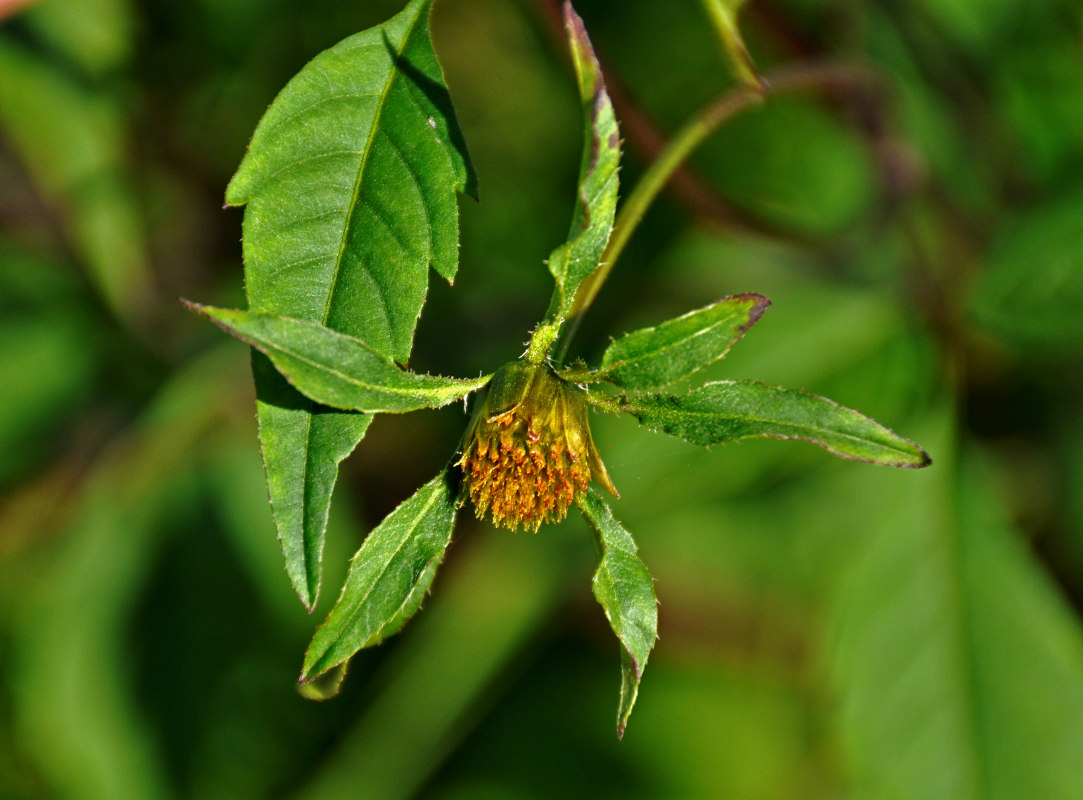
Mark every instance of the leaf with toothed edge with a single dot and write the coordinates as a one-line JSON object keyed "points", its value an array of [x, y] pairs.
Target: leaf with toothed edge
{"points": [[625, 590], [596, 205], [350, 186], [725, 411], [654, 357], [388, 577], [338, 370]]}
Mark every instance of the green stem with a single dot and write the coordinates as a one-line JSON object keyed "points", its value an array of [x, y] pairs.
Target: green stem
{"points": [[800, 77], [723, 14], [542, 339]]}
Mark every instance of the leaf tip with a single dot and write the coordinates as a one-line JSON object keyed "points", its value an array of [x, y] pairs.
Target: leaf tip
{"points": [[924, 460], [323, 686], [582, 50], [760, 304], [191, 305], [573, 23]]}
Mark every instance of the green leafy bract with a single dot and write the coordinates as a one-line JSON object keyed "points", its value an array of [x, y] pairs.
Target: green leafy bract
{"points": [[350, 189], [335, 369], [655, 357], [596, 204], [388, 577], [625, 590], [725, 411]]}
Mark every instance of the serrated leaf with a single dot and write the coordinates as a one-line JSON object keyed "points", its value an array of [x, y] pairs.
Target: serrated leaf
{"points": [[654, 357], [596, 203], [350, 184], [725, 411], [302, 444], [388, 577], [625, 590], [335, 369]]}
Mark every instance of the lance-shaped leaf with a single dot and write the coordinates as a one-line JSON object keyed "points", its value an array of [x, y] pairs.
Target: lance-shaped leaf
{"points": [[655, 357], [726, 411], [596, 204], [335, 369], [350, 186], [625, 590], [388, 577]]}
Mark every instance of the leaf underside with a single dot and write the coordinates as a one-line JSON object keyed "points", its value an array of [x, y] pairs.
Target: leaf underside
{"points": [[337, 370], [388, 577], [725, 411], [625, 590], [654, 357], [350, 186]]}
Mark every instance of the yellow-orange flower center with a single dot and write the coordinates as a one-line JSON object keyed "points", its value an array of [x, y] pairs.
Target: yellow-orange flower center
{"points": [[529, 451]]}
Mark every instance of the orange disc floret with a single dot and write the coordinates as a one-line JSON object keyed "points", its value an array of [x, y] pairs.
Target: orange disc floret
{"points": [[529, 452]]}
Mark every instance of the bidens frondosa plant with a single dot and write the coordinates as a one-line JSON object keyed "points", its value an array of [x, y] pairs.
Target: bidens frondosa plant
{"points": [[350, 187]]}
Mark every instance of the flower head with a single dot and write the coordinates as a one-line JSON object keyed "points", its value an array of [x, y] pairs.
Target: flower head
{"points": [[528, 451]]}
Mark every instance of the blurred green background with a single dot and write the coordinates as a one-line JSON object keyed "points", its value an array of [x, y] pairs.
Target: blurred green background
{"points": [[828, 629]]}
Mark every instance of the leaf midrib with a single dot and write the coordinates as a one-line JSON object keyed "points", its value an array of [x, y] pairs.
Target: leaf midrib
{"points": [[615, 365], [377, 117], [700, 413], [452, 391]]}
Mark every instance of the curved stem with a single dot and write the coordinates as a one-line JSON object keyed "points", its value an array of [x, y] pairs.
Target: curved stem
{"points": [[826, 77]]}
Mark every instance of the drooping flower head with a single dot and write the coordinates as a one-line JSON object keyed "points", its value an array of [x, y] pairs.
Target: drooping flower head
{"points": [[528, 451]]}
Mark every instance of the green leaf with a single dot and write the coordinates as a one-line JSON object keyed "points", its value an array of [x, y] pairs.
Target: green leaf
{"points": [[388, 577], [655, 357], [596, 204], [958, 662], [302, 443], [725, 411], [625, 590], [335, 369], [350, 183]]}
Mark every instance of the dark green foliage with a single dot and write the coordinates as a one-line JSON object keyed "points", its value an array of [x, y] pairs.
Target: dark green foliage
{"points": [[827, 630], [349, 189]]}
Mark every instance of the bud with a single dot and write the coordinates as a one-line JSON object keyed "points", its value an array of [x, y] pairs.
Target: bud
{"points": [[528, 451]]}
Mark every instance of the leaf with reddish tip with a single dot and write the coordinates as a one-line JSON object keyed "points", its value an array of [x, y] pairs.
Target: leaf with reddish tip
{"points": [[625, 590], [725, 411], [655, 357], [596, 204]]}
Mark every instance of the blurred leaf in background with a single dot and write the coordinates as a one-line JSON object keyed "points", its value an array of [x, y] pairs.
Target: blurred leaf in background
{"points": [[827, 629]]}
